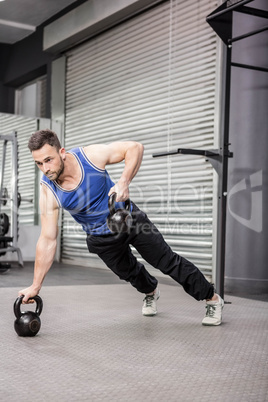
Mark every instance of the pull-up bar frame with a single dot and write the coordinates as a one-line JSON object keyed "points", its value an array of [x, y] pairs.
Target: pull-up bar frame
{"points": [[12, 138], [221, 20]]}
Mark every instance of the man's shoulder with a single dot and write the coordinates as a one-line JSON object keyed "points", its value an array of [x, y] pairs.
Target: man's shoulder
{"points": [[96, 154]]}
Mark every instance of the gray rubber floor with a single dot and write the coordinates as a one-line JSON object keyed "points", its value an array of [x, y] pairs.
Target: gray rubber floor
{"points": [[94, 345]]}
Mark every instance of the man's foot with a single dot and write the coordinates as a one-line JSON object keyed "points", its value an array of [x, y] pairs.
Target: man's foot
{"points": [[149, 303], [214, 312]]}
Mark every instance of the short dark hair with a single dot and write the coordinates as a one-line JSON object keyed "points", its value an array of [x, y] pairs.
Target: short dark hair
{"points": [[43, 137]]}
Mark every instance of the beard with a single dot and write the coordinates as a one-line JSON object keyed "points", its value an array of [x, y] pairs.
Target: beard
{"points": [[55, 175]]}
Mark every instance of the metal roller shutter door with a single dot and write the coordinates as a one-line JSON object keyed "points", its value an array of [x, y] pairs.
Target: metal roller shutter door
{"points": [[24, 126], [151, 79]]}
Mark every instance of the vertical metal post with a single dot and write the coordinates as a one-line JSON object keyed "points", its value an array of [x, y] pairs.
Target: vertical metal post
{"points": [[222, 205], [3, 169], [14, 191]]}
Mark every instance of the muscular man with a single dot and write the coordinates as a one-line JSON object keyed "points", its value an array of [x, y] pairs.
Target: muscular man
{"points": [[78, 182]]}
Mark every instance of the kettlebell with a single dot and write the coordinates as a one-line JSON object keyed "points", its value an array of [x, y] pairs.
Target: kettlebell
{"points": [[27, 323], [119, 220]]}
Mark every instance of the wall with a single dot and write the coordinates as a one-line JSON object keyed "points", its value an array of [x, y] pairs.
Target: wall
{"points": [[6, 92], [27, 244], [24, 62], [247, 219]]}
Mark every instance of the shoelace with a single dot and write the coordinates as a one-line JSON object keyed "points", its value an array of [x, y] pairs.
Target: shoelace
{"points": [[149, 300], [210, 310]]}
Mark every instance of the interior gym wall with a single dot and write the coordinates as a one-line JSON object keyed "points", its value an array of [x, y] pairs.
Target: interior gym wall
{"points": [[26, 60], [23, 62], [246, 248], [247, 218], [147, 79], [6, 92]]}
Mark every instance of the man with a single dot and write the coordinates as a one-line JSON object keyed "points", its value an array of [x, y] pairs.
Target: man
{"points": [[78, 182]]}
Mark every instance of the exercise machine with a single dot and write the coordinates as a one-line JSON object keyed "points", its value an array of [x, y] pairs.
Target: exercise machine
{"points": [[9, 229]]}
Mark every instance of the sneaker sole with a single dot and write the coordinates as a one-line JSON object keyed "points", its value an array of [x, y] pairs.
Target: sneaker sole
{"points": [[149, 315], [211, 325]]}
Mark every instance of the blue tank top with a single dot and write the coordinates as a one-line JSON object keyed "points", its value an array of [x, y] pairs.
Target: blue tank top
{"points": [[88, 202]]}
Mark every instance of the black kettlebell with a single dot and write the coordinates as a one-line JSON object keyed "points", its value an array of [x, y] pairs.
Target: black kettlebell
{"points": [[27, 323], [119, 220]]}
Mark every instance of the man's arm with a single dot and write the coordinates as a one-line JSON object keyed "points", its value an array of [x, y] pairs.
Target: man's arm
{"points": [[129, 151], [46, 244]]}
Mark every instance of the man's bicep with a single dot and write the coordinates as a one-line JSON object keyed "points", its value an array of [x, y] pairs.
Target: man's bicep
{"points": [[49, 223], [104, 154], [107, 154], [49, 213], [118, 151]]}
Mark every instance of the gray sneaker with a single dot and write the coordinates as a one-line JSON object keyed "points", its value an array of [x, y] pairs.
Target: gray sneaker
{"points": [[214, 312], [149, 304]]}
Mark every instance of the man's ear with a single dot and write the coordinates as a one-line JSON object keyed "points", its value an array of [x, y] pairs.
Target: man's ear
{"points": [[62, 153]]}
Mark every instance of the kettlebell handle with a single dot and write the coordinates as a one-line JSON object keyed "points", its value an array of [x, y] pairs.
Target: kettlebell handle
{"points": [[111, 203], [18, 302]]}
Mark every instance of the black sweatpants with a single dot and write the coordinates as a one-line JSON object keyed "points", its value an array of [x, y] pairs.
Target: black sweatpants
{"points": [[115, 251]]}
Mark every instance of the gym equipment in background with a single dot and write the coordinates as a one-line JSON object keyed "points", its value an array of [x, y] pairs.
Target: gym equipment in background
{"points": [[9, 243]]}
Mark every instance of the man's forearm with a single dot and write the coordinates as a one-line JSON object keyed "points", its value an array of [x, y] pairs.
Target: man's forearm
{"points": [[133, 159], [45, 252]]}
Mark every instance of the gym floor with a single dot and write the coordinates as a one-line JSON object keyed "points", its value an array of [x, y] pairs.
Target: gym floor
{"points": [[95, 345]]}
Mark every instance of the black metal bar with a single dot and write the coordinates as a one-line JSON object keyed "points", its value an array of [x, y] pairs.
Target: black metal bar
{"points": [[253, 11], [2, 168], [251, 33], [250, 67], [222, 201], [204, 152], [228, 9], [188, 151], [165, 153]]}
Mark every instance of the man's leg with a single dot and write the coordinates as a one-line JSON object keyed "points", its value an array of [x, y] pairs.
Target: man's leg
{"points": [[151, 245], [114, 250]]}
